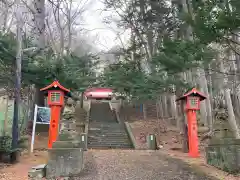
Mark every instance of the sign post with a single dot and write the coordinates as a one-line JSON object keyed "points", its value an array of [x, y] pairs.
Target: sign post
{"points": [[56, 93], [192, 99], [34, 127]]}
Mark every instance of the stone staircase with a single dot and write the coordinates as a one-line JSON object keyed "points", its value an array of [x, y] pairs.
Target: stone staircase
{"points": [[101, 112], [104, 130]]}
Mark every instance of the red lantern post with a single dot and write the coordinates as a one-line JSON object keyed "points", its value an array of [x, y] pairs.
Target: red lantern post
{"points": [[56, 93], [192, 99]]}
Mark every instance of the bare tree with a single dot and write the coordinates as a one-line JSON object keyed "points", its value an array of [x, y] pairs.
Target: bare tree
{"points": [[66, 19], [6, 7]]}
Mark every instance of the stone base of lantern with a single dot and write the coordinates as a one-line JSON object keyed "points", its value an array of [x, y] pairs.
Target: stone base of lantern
{"points": [[65, 159], [64, 162]]}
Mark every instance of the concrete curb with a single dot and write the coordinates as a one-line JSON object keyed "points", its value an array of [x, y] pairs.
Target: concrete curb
{"points": [[130, 134], [87, 124]]}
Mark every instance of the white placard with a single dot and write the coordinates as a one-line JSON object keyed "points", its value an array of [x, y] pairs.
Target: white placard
{"points": [[83, 138], [151, 137]]}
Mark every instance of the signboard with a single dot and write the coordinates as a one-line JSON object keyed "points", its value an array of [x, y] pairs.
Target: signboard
{"points": [[43, 115]]}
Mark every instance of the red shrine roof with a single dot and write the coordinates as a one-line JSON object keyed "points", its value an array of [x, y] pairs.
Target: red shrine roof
{"points": [[55, 84]]}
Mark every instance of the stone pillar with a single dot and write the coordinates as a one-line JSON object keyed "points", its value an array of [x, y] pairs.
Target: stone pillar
{"points": [[66, 156]]}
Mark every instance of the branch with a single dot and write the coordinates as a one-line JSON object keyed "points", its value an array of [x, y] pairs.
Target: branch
{"points": [[30, 49], [231, 47], [51, 36], [28, 6]]}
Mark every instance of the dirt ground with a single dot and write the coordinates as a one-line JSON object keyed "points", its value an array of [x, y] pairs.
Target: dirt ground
{"points": [[114, 165], [128, 164], [136, 165], [19, 171], [168, 137], [169, 142]]}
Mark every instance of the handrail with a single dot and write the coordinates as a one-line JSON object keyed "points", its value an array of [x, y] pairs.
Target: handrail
{"points": [[87, 118]]}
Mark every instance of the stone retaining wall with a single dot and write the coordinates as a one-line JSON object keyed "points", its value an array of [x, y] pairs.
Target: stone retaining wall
{"points": [[224, 154]]}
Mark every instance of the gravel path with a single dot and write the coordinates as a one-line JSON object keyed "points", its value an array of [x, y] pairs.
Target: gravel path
{"points": [[135, 165], [115, 165]]}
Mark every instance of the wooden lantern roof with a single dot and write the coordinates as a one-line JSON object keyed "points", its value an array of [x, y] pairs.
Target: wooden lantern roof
{"points": [[193, 92], [55, 86]]}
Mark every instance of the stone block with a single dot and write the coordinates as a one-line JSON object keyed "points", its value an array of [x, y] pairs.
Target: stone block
{"points": [[37, 172], [67, 135], [67, 124], [64, 162], [80, 127], [66, 144], [68, 115], [224, 141]]}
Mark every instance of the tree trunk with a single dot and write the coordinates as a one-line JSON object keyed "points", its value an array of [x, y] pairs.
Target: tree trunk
{"points": [[203, 109], [208, 101], [165, 108], [39, 21], [81, 102], [161, 107], [144, 111], [227, 95], [39, 40], [6, 116], [231, 118], [17, 92], [210, 86], [174, 107], [184, 128], [157, 109]]}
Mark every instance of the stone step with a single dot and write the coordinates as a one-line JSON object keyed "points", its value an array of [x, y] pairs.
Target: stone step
{"points": [[107, 132], [110, 147], [122, 133], [108, 144], [107, 139], [95, 136], [107, 128], [100, 123], [103, 121], [103, 143], [117, 139]]}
